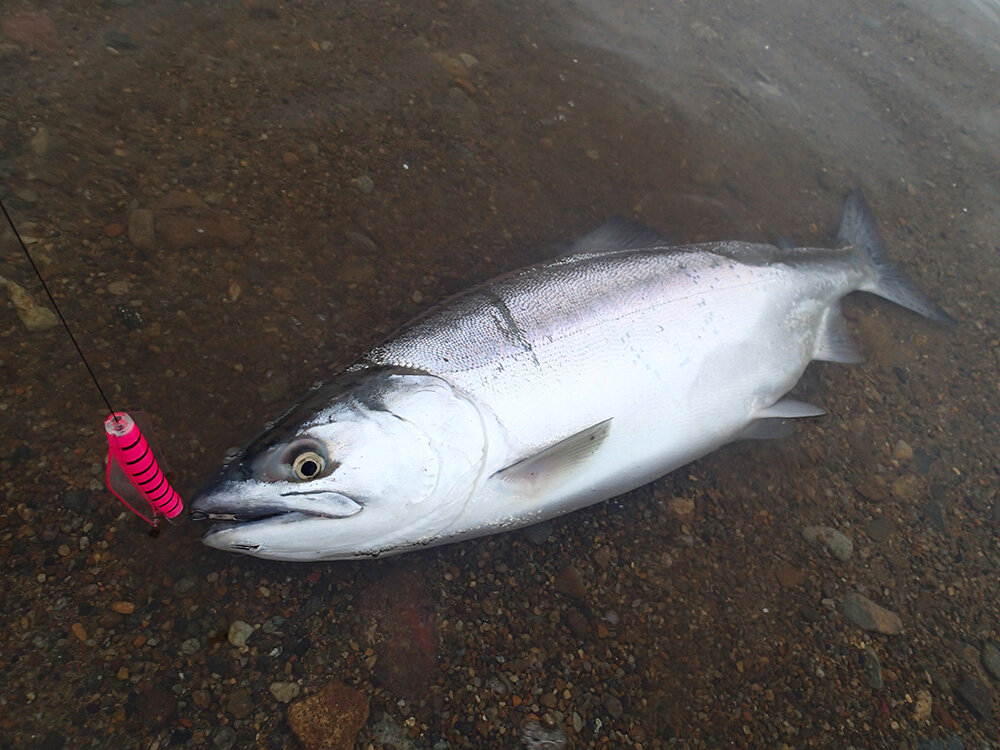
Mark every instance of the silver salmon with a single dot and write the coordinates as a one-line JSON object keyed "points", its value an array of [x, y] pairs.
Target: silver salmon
{"points": [[550, 389]]}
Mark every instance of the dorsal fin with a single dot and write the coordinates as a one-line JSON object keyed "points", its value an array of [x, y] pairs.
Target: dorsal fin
{"points": [[619, 233]]}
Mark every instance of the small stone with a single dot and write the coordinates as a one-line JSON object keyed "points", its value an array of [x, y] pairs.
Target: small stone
{"points": [[285, 691], [35, 317], [906, 488], [577, 623], [991, 660], [239, 632], [874, 668], [118, 288], [788, 576], [837, 543], [922, 709], [867, 615], [538, 533], [114, 230], [975, 695], [603, 557], [330, 719], [903, 451], [190, 646], [122, 673], [201, 698], [364, 184], [79, 631], [40, 141], [239, 704], [290, 159], [613, 705], [681, 507], [123, 608], [879, 529], [141, 231], [569, 581], [224, 738]]}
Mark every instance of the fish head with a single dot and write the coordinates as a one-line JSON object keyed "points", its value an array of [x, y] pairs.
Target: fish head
{"points": [[373, 463]]}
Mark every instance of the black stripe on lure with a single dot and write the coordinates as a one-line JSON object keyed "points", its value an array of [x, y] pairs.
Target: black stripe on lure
{"points": [[133, 471]]}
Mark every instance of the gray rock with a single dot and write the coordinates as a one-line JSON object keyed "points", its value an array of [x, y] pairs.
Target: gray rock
{"points": [[35, 317], [867, 615], [224, 738], [190, 646], [874, 668], [239, 631], [991, 660], [538, 533], [975, 695], [284, 691], [839, 545], [880, 529]]}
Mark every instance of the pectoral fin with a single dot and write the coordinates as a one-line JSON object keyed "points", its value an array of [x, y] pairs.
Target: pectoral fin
{"points": [[554, 463]]}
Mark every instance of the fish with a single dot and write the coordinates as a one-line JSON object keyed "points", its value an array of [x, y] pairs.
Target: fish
{"points": [[549, 389]]}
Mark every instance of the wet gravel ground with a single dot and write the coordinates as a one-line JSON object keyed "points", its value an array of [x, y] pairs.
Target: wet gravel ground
{"points": [[230, 200]]}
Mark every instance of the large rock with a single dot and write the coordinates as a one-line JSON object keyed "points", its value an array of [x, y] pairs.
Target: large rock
{"points": [[185, 220], [868, 615], [329, 719]]}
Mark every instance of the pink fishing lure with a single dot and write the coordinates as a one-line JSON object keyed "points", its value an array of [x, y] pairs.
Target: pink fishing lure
{"points": [[130, 455]]}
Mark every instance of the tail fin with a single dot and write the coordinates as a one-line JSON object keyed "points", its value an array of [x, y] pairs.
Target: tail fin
{"points": [[857, 228]]}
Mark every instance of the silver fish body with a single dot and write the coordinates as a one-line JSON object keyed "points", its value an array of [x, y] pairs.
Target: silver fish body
{"points": [[548, 390]]}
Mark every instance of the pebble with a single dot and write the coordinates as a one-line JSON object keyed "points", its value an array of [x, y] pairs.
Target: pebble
{"points": [[538, 533], [364, 184], [190, 647], [874, 668], [569, 581], [224, 738], [123, 608], [788, 576], [922, 709], [837, 543], [40, 141], [141, 229], [329, 719], [79, 631], [239, 632], [903, 451], [118, 288], [682, 507], [184, 220], [975, 695], [991, 660], [879, 529], [34, 316], [536, 737], [867, 615], [114, 230], [239, 704], [285, 691]]}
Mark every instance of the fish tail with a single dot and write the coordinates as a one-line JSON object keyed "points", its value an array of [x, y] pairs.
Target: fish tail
{"points": [[890, 280]]}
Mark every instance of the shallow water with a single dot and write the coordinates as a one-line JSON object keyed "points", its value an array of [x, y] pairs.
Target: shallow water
{"points": [[356, 164]]}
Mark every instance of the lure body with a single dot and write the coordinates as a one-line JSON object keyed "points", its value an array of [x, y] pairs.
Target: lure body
{"points": [[131, 453]]}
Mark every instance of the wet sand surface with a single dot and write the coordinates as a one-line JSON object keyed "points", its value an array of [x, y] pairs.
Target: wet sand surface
{"points": [[229, 201]]}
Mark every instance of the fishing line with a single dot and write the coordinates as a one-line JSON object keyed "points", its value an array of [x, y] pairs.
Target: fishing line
{"points": [[55, 307], [132, 468]]}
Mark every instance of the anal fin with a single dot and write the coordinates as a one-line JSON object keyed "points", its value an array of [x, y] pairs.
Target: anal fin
{"points": [[554, 463], [772, 423]]}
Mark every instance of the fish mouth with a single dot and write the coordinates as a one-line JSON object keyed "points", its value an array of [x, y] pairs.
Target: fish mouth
{"points": [[229, 510]]}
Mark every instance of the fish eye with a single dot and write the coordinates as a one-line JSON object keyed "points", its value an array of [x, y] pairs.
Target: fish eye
{"points": [[308, 465]]}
